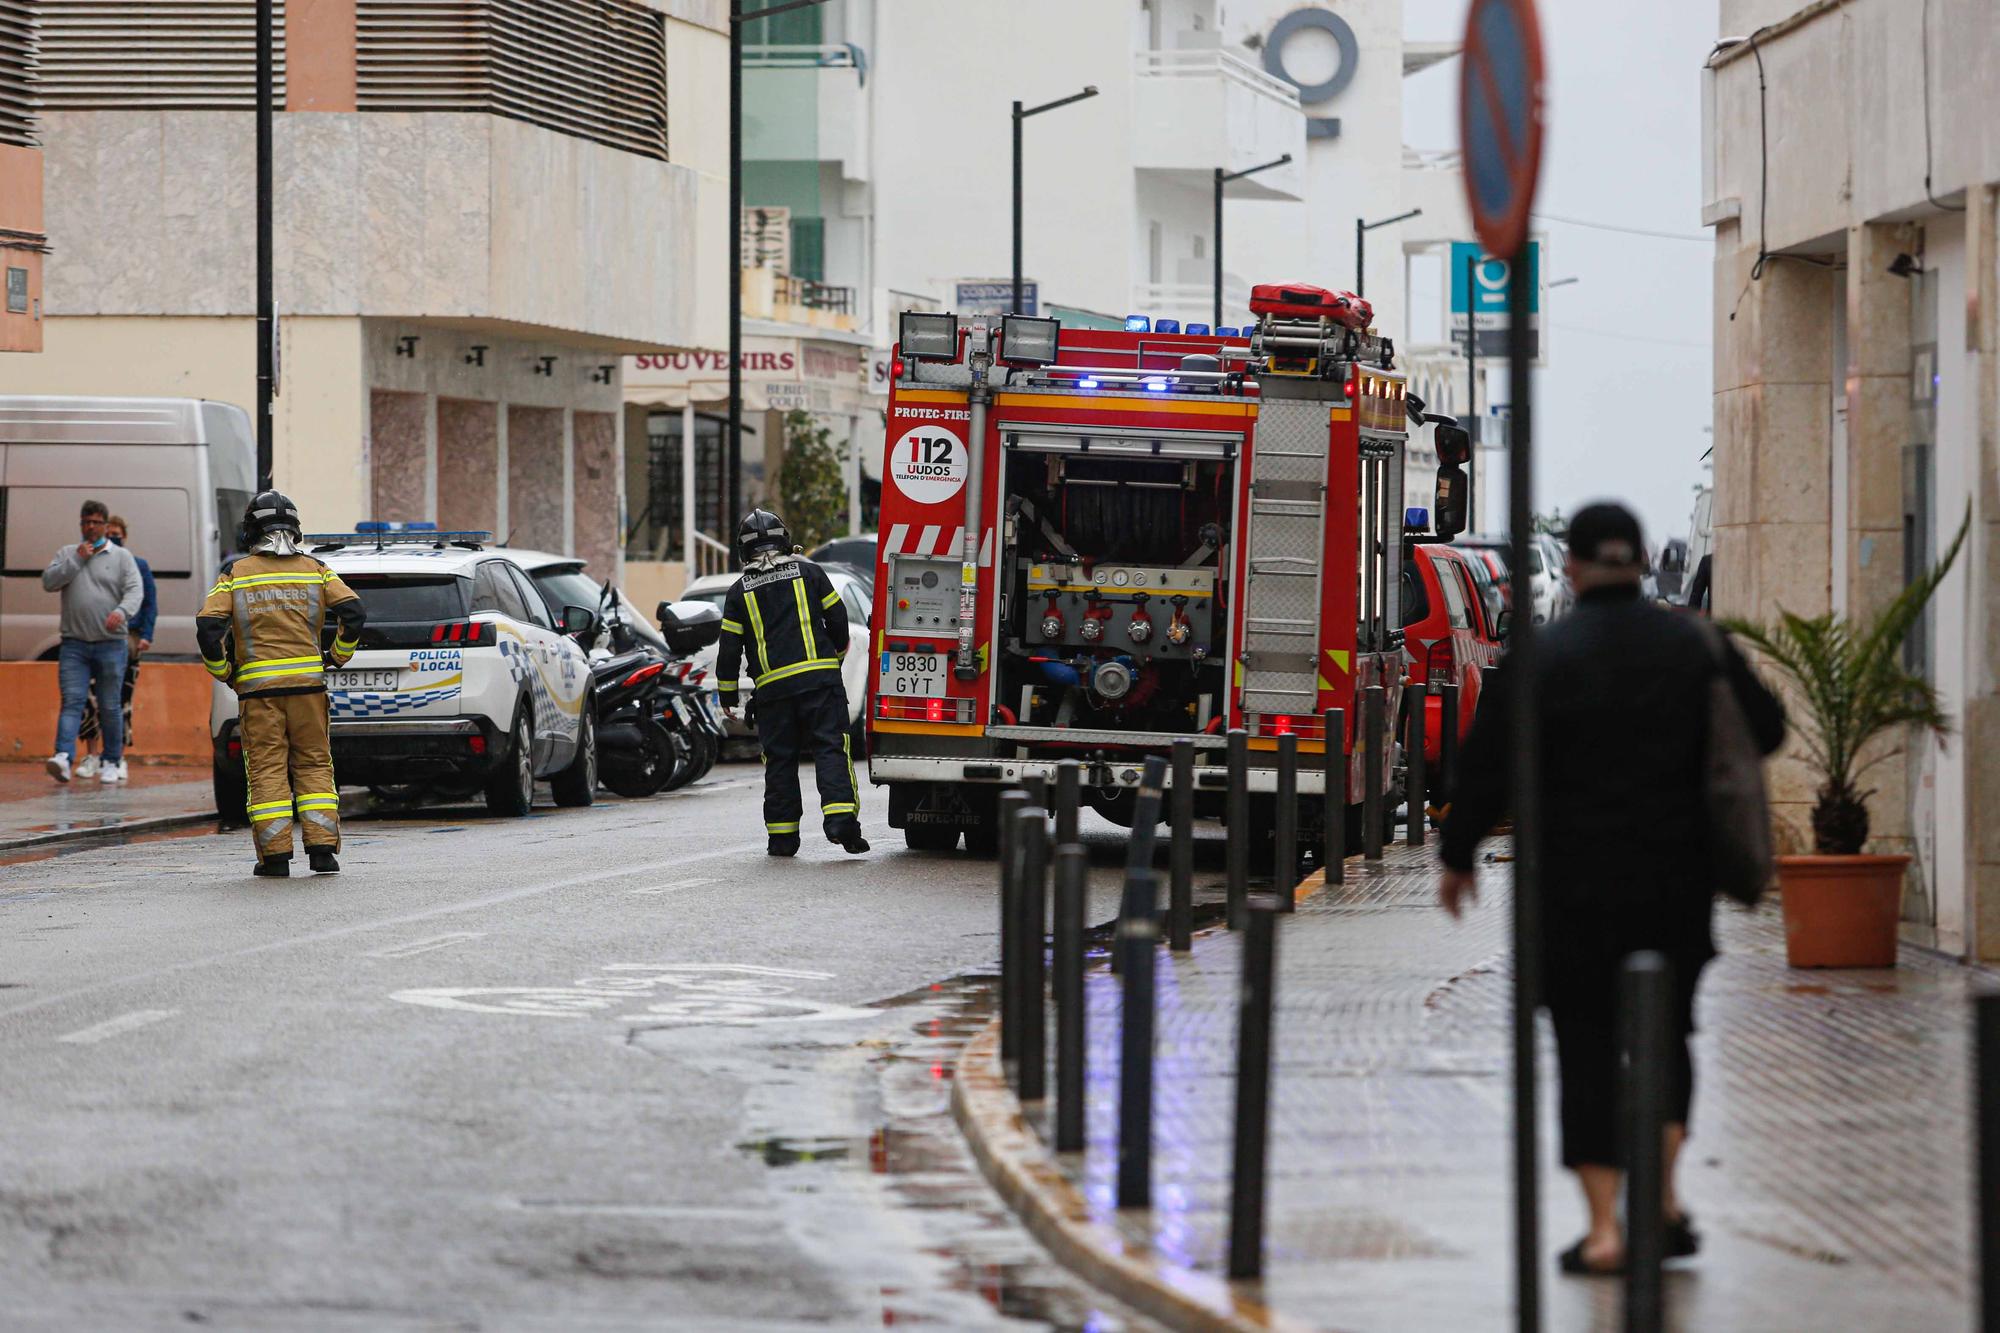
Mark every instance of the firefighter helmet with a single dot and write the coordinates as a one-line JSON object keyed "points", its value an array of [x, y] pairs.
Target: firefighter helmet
{"points": [[761, 531], [268, 511]]}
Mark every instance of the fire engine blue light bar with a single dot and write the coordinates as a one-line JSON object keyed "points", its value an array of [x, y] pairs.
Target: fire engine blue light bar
{"points": [[1166, 326], [1138, 324], [1199, 330], [1416, 517], [1228, 331]]}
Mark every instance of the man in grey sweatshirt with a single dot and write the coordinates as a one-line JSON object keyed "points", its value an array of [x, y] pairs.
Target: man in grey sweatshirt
{"points": [[101, 592]]}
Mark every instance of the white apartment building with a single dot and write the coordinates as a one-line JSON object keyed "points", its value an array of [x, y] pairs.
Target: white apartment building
{"points": [[1853, 183], [481, 208], [882, 129]]}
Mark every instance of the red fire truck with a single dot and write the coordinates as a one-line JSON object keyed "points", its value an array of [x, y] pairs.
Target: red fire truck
{"points": [[1095, 542]]}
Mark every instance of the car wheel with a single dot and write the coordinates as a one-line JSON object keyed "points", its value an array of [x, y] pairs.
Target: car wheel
{"points": [[511, 789], [577, 784], [232, 794], [931, 837]]}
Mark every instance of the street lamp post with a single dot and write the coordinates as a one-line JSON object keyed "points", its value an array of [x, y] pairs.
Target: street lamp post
{"points": [[267, 363], [730, 493], [1223, 178], [1021, 114], [1361, 230]]}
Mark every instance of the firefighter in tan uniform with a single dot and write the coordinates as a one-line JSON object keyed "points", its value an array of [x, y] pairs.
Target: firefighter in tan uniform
{"points": [[260, 631]]}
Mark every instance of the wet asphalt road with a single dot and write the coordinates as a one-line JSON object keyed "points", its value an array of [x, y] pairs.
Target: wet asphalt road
{"points": [[595, 1069]]}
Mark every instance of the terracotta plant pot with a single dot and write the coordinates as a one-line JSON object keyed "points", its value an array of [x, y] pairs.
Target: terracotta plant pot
{"points": [[1841, 911]]}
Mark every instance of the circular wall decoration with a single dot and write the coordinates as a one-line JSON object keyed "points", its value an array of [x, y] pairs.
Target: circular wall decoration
{"points": [[1328, 22]]}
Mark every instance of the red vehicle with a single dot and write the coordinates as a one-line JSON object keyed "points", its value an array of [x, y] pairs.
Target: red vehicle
{"points": [[1449, 634], [1097, 542]]}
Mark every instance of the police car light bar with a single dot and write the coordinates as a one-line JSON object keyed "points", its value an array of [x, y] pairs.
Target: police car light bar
{"points": [[928, 337], [379, 536]]}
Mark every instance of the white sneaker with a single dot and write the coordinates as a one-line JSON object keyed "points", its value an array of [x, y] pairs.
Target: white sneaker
{"points": [[86, 767], [110, 773], [58, 767]]}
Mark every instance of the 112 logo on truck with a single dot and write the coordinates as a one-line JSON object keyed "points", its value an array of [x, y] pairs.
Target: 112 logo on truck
{"points": [[928, 465]]}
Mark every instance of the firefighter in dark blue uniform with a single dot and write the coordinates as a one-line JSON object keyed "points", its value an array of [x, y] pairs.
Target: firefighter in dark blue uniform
{"points": [[797, 631]]}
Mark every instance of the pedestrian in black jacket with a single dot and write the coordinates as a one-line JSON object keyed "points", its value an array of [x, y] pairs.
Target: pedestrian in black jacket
{"points": [[1622, 694]]}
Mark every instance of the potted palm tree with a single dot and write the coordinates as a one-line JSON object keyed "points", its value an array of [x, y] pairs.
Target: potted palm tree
{"points": [[1841, 905]]}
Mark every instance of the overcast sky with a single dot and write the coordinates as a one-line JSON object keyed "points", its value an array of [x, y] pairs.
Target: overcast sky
{"points": [[1624, 404]]}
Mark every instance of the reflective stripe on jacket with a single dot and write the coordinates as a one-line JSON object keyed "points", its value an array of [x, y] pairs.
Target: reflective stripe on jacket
{"points": [[260, 627], [788, 614]]}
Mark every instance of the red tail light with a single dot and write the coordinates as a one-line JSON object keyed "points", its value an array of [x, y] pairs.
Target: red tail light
{"points": [[1441, 663], [235, 749], [934, 710], [1281, 725], [473, 634], [644, 673], [477, 743]]}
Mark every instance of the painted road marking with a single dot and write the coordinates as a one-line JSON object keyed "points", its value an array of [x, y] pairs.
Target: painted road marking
{"points": [[112, 1027], [671, 994], [415, 947], [677, 884]]}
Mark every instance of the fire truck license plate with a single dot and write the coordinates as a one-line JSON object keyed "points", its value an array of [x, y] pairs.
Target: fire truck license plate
{"points": [[361, 680], [913, 675]]}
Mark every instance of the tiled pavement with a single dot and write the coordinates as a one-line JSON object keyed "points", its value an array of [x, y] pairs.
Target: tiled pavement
{"points": [[1828, 1169], [33, 806]]}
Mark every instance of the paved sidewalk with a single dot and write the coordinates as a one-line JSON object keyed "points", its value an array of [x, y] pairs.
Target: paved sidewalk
{"points": [[36, 809], [1827, 1173]]}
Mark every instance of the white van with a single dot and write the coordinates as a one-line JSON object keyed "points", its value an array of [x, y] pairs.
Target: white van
{"points": [[179, 470]]}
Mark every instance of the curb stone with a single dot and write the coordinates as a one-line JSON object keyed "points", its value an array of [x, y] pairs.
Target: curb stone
{"points": [[154, 824], [1021, 1169]]}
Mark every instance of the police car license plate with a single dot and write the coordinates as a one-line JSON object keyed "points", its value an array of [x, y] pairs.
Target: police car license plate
{"points": [[361, 680], [913, 675]]}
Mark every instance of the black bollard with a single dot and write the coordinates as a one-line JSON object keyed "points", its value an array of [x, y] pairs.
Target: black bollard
{"points": [[1031, 856], [1333, 855], [1373, 705], [1237, 816], [1010, 1025], [1145, 831], [1180, 895], [1072, 874], [1285, 833], [1069, 796], [1253, 1089], [1146, 814], [1447, 740], [1648, 985], [1138, 941], [1037, 788], [1415, 783]]}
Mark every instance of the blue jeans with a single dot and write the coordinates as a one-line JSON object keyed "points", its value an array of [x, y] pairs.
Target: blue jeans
{"points": [[84, 665]]}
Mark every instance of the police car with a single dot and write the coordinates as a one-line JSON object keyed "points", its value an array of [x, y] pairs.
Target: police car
{"points": [[466, 679]]}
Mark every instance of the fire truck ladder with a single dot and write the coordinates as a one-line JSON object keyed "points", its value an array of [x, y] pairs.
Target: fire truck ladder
{"points": [[1287, 536]]}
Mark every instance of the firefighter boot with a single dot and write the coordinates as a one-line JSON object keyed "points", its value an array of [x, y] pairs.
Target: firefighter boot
{"points": [[848, 835], [275, 867], [782, 844], [323, 860]]}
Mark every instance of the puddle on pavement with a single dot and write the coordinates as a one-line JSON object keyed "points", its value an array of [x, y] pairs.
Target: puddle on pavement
{"points": [[791, 1152], [977, 1248], [98, 842]]}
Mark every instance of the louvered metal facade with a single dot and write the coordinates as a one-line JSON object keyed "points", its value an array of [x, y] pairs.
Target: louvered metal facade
{"points": [[131, 55], [17, 71], [595, 69]]}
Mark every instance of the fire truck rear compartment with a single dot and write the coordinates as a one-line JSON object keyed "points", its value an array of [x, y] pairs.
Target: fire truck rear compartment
{"points": [[1115, 605]]}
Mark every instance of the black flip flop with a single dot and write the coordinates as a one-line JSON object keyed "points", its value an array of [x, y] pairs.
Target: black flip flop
{"points": [[1571, 1261], [1683, 1241]]}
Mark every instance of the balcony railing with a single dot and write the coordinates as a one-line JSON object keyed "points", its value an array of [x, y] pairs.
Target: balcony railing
{"points": [[810, 295], [838, 55], [1210, 64]]}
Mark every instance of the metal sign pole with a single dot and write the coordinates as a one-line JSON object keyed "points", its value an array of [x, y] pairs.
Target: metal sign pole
{"points": [[1521, 664]]}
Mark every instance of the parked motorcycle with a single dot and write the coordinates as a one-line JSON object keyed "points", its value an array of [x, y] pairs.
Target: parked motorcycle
{"points": [[688, 627], [651, 735]]}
